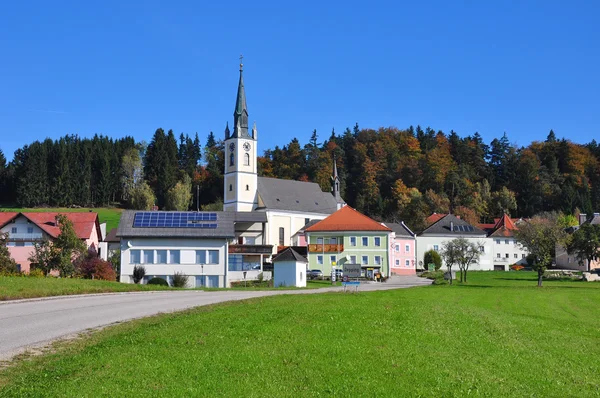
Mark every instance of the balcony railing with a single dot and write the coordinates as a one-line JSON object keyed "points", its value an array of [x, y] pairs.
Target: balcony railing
{"points": [[326, 248], [25, 236], [251, 249]]}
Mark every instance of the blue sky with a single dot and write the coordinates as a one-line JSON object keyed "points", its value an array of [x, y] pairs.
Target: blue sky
{"points": [[520, 67]]}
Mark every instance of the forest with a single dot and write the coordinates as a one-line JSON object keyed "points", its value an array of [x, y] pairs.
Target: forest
{"points": [[389, 174]]}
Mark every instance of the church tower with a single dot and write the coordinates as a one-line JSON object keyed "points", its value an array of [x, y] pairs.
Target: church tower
{"points": [[241, 176]]}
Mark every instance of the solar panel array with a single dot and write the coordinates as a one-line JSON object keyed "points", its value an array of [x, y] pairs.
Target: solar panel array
{"points": [[463, 228], [161, 219]]}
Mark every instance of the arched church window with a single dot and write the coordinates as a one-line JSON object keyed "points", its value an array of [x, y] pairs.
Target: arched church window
{"points": [[246, 159], [230, 187], [231, 159]]}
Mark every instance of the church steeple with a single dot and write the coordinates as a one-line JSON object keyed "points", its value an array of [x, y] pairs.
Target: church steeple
{"points": [[335, 188], [240, 114], [227, 132]]}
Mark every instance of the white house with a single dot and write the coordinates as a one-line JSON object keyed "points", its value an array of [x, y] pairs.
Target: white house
{"points": [[289, 269], [451, 227], [212, 248], [507, 251], [288, 205]]}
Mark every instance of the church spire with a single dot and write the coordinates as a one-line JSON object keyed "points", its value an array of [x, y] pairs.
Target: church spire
{"points": [[335, 188], [240, 114], [227, 132]]}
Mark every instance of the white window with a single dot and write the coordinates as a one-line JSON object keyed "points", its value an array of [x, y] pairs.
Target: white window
{"points": [[377, 241], [173, 256], [407, 263], [365, 260], [497, 255], [407, 248], [365, 241], [29, 230], [352, 259], [11, 244], [505, 255], [213, 257], [497, 241], [377, 260], [333, 241], [148, 256], [516, 255], [246, 160], [13, 230], [353, 241], [319, 260], [397, 263], [161, 256], [319, 241], [200, 256], [481, 249], [397, 248], [436, 247], [134, 256], [332, 259], [523, 255], [506, 241]]}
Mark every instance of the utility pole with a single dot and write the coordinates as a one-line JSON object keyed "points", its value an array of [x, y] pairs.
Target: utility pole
{"points": [[198, 197]]}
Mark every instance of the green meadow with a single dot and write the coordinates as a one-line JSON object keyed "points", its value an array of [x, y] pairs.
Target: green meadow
{"points": [[498, 336]]}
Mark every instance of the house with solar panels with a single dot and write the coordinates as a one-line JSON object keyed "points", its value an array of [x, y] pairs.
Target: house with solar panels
{"points": [[288, 205], [212, 248], [451, 227]]}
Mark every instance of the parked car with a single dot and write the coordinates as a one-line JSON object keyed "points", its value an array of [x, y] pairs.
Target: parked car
{"points": [[314, 273]]}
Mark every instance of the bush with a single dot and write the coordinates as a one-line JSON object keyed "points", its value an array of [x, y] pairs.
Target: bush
{"points": [[260, 277], [158, 281], [105, 271], [139, 271], [179, 280], [92, 267], [36, 273], [433, 275], [432, 256]]}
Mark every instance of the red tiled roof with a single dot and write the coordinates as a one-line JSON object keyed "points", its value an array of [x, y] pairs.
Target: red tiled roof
{"points": [[504, 227], [347, 219], [435, 217], [6, 217], [83, 223]]}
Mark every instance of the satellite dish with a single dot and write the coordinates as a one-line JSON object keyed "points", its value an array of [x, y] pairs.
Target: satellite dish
{"points": [[129, 244]]}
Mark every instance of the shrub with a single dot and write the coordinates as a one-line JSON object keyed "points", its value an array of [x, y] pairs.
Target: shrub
{"points": [[432, 256], [105, 271], [36, 273], [433, 275], [158, 281], [179, 280], [260, 277], [139, 271]]}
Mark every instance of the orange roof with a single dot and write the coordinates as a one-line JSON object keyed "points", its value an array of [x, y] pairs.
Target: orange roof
{"points": [[347, 219], [504, 227], [83, 223], [435, 217]]}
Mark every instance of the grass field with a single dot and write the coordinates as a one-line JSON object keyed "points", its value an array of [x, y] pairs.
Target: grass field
{"points": [[110, 216], [498, 336], [15, 287]]}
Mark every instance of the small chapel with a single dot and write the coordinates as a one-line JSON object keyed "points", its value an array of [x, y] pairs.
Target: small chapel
{"points": [[289, 205]]}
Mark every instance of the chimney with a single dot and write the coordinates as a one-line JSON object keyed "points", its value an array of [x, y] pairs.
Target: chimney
{"points": [[582, 218]]}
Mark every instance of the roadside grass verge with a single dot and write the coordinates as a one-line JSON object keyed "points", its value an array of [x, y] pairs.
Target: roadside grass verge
{"points": [[499, 335], [108, 215], [17, 287]]}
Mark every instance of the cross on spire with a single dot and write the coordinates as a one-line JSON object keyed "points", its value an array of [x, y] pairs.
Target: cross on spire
{"points": [[241, 64]]}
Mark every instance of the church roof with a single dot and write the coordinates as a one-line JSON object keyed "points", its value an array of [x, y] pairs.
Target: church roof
{"points": [[347, 219], [240, 114], [300, 196]]}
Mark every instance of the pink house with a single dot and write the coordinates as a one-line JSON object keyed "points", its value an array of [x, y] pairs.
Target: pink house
{"points": [[402, 251], [26, 228]]}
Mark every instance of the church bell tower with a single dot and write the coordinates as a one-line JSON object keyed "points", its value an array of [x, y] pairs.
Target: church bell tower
{"points": [[241, 176]]}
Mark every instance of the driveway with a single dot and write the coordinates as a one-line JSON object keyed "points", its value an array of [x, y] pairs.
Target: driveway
{"points": [[26, 324]]}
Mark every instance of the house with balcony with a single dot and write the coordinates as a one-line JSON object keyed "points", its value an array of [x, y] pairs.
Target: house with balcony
{"points": [[347, 236], [507, 251], [26, 228], [451, 227], [402, 249], [212, 248]]}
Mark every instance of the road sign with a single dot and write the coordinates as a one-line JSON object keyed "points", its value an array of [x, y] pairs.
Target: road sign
{"points": [[431, 267], [352, 270]]}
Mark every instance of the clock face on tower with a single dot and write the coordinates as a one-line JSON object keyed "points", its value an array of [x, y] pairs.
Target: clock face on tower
{"points": [[246, 146], [231, 147]]}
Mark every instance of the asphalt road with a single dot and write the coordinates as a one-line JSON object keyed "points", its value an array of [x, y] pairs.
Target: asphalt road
{"points": [[27, 324]]}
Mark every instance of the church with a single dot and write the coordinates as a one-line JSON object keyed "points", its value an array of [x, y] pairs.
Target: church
{"points": [[288, 204]]}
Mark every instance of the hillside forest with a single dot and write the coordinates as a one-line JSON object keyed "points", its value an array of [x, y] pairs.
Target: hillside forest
{"points": [[388, 174]]}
